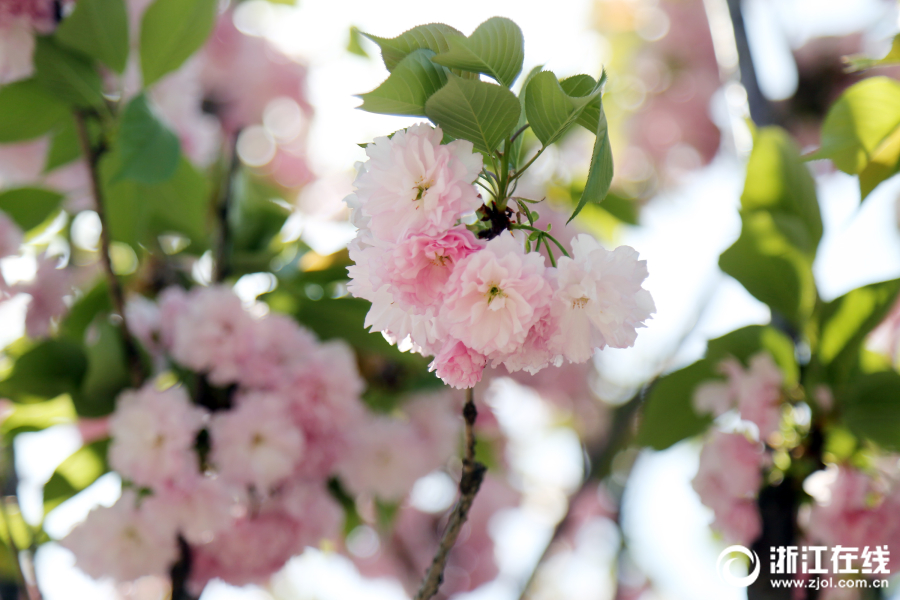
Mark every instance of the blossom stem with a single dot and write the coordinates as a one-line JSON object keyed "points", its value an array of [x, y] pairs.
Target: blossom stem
{"points": [[469, 483], [543, 233], [92, 155]]}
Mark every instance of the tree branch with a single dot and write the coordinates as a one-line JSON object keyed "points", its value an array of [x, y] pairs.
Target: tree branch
{"points": [[469, 483], [92, 156]]}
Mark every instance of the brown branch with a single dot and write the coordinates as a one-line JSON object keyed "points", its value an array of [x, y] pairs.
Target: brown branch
{"points": [[92, 156], [222, 266], [469, 483]]}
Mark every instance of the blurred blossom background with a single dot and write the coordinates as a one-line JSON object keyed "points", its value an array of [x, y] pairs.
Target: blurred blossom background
{"points": [[283, 78]]}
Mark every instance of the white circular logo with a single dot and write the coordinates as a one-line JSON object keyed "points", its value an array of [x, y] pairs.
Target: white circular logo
{"points": [[725, 570]]}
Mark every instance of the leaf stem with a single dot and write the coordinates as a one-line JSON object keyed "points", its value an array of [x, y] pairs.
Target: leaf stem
{"points": [[469, 483], [518, 132], [543, 233], [521, 171], [92, 156]]}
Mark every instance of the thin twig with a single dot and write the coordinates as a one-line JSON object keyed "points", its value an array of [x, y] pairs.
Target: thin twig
{"points": [[472, 476], [92, 156]]}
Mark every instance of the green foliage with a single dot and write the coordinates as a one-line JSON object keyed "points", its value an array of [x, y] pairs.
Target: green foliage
{"points": [[49, 369], [601, 171], [432, 36], [28, 110], [67, 74], [861, 133], [107, 372], [516, 149], [481, 112], [29, 206], [668, 415], [256, 216], [412, 82], [550, 110], [149, 151], [64, 146], [78, 471], [137, 212], [353, 43], [85, 310], [495, 48], [847, 321], [171, 31], [765, 262], [99, 29], [859, 62], [38, 416], [779, 183], [870, 408], [584, 85]]}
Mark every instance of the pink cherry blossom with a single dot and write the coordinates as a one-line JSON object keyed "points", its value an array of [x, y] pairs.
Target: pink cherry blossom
{"points": [[48, 291], [10, 236], [122, 542], [153, 434], [278, 347], [458, 366], [414, 184], [196, 511], [420, 265], [727, 481], [598, 299], [256, 444], [212, 334], [495, 296], [38, 14], [16, 49]]}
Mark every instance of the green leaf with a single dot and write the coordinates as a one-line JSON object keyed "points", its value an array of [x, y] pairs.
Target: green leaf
{"points": [[38, 416], [137, 213], [771, 268], [846, 323], [550, 110], [495, 48], [64, 146], [67, 74], [353, 44], [779, 182], [405, 91], [668, 415], [859, 124], [29, 206], [859, 62], [107, 374], [584, 85], [478, 111], [516, 152], [746, 342], [432, 37], [884, 163], [86, 308], [870, 409], [28, 111], [99, 29], [149, 151], [171, 31], [53, 367], [601, 171], [82, 468]]}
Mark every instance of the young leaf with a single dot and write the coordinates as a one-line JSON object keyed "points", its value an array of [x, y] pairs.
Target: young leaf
{"points": [[432, 37], [668, 414], [601, 171], [584, 85], [495, 48], [27, 111], [99, 29], [870, 409], [137, 212], [29, 206], [550, 110], [53, 367], [149, 151], [67, 74], [408, 87], [171, 31], [862, 119], [79, 470], [847, 321], [353, 45], [478, 111], [771, 268], [779, 182]]}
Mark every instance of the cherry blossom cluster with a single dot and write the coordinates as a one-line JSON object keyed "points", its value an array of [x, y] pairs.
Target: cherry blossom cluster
{"points": [[442, 288], [237, 465]]}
